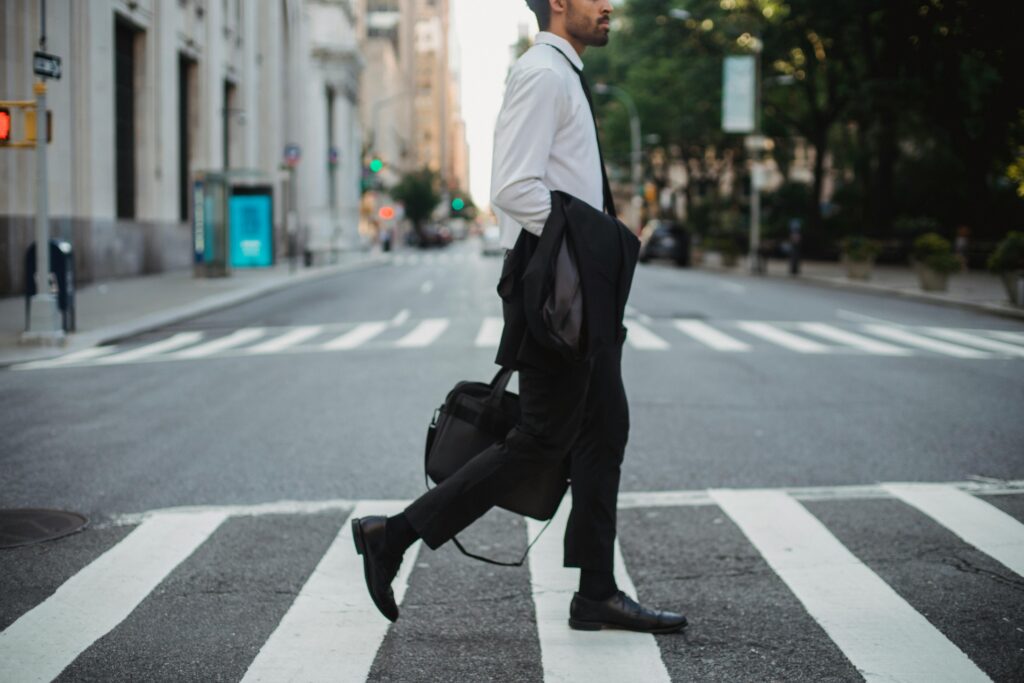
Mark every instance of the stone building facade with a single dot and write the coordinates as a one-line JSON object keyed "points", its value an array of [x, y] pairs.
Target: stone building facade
{"points": [[155, 91]]}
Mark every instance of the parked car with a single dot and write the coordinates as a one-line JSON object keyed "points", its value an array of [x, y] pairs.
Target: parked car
{"points": [[491, 240], [663, 239], [433, 236]]}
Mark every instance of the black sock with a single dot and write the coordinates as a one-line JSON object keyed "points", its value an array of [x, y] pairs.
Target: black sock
{"points": [[597, 585], [399, 534]]}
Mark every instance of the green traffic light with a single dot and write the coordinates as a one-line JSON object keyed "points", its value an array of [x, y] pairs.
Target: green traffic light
{"points": [[458, 204], [376, 165]]}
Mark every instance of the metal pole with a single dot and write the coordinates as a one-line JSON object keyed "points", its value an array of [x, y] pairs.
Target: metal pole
{"points": [[755, 189], [43, 325]]}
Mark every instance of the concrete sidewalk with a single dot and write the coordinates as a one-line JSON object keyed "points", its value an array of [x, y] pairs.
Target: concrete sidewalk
{"points": [[114, 309], [975, 290]]}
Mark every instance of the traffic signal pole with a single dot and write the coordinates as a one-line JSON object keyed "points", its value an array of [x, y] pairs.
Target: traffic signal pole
{"points": [[44, 322]]}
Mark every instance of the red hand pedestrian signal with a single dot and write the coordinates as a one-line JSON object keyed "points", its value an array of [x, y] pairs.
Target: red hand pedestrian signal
{"points": [[5, 125]]}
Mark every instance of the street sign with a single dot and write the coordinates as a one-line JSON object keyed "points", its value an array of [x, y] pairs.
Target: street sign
{"points": [[738, 94], [46, 65], [292, 155]]}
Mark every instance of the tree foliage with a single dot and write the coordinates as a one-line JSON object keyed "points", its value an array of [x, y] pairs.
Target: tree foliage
{"points": [[918, 103], [418, 192]]}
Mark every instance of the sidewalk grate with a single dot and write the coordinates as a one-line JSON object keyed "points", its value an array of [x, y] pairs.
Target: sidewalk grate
{"points": [[28, 526]]}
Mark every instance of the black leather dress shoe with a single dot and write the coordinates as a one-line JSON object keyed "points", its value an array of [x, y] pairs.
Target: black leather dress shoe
{"points": [[622, 612], [379, 566]]}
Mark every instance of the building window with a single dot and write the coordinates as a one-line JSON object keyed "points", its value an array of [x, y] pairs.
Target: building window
{"points": [[124, 117], [186, 81]]}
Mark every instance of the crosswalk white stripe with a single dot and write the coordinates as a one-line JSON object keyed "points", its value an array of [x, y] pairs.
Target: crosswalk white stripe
{"points": [[984, 526], [856, 341], [708, 335], [976, 340], [68, 359], [490, 332], [642, 338], [233, 340], [178, 341], [782, 338], [287, 340], [922, 342], [357, 336], [332, 631], [569, 655], [1014, 337], [876, 629], [424, 334], [45, 640]]}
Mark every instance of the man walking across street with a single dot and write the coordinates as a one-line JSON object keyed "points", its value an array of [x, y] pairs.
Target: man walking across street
{"points": [[545, 141]]}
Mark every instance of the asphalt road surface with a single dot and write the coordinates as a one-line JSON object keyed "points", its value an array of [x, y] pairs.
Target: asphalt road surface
{"points": [[827, 483]]}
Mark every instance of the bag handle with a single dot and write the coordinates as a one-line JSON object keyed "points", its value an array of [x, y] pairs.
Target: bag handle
{"points": [[498, 385]]}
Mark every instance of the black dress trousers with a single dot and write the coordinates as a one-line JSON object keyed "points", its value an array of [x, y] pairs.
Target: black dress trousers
{"points": [[575, 411]]}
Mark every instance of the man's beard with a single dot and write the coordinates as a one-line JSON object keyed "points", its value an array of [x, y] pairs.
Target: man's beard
{"points": [[579, 27]]}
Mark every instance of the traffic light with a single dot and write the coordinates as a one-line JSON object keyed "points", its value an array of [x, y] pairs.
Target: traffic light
{"points": [[386, 213], [5, 124], [376, 165], [458, 204]]}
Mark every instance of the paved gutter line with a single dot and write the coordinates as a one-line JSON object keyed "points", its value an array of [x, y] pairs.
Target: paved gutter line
{"points": [[627, 500]]}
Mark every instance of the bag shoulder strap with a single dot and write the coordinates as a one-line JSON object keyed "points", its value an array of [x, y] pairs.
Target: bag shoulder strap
{"points": [[609, 201]]}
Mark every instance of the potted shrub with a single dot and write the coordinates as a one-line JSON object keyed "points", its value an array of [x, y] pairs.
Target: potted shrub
{"points": [[1007, 261], [730, 252], [859, 255], [933, 259]]}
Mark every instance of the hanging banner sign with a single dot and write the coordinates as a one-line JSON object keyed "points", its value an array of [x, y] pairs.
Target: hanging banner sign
{"points": [[739, 84]]}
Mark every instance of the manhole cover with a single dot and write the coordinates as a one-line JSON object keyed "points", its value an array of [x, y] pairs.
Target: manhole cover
{"points": [[25, 527]]}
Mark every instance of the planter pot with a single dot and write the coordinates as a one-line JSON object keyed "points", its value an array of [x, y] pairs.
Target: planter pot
{"points": [[1013, 280], [729, 260], [931, 280], [858, 270]]}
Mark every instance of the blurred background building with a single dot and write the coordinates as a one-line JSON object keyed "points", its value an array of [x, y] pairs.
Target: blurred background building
{"points": [[154, 92]]}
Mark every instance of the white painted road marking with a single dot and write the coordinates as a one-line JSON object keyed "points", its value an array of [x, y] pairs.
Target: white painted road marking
{"points": [[1014, 337], [400, 318], [45, 640], [231, 341], [333, 630], [490, 332], [922, 342], [286, 340], [68, 359], [705, 334], [782, 338], [857, 341], [976, 340], [569, 655], [427, 287], [876, 629], [984, 526], [424, 334], [178, 341], [355, 337], [640, 337]]}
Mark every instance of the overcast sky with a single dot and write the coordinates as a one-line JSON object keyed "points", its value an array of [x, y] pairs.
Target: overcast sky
{"points": [[485, 31]]}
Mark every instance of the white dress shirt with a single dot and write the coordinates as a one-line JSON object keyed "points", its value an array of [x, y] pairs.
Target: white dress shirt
{"points": [[544, 140]]}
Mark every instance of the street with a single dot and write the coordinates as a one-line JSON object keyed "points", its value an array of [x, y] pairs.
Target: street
{"points": [[751, 400]]}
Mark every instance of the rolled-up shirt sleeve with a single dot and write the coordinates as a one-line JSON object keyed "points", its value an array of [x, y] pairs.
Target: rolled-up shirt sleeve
{"points": [[525, 131]]}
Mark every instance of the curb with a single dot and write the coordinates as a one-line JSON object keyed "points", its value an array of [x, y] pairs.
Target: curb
{"points": [[997, 309], [116, 333]]}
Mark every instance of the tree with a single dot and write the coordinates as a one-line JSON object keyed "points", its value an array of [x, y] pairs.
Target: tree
{"points": [[418, 192]]}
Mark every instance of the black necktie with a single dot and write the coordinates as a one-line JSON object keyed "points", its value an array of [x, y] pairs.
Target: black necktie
{"points": [[609, 201]]}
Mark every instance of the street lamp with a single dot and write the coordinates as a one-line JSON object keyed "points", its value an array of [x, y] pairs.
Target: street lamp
{"points": [[634, 134]]}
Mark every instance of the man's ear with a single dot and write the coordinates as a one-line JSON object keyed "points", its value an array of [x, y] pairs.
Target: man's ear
{"points": [[559, 6]]}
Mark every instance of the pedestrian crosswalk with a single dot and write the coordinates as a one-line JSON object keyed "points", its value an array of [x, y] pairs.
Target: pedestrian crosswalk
{"points": [[331, 631], [406, 333], [443, 258]]}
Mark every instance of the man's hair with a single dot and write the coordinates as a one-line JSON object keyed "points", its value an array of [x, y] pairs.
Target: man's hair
{"points": [[542, 9]]}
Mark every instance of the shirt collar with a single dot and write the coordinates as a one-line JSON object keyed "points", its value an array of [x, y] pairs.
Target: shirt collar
{"points": [[562, 44]]}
